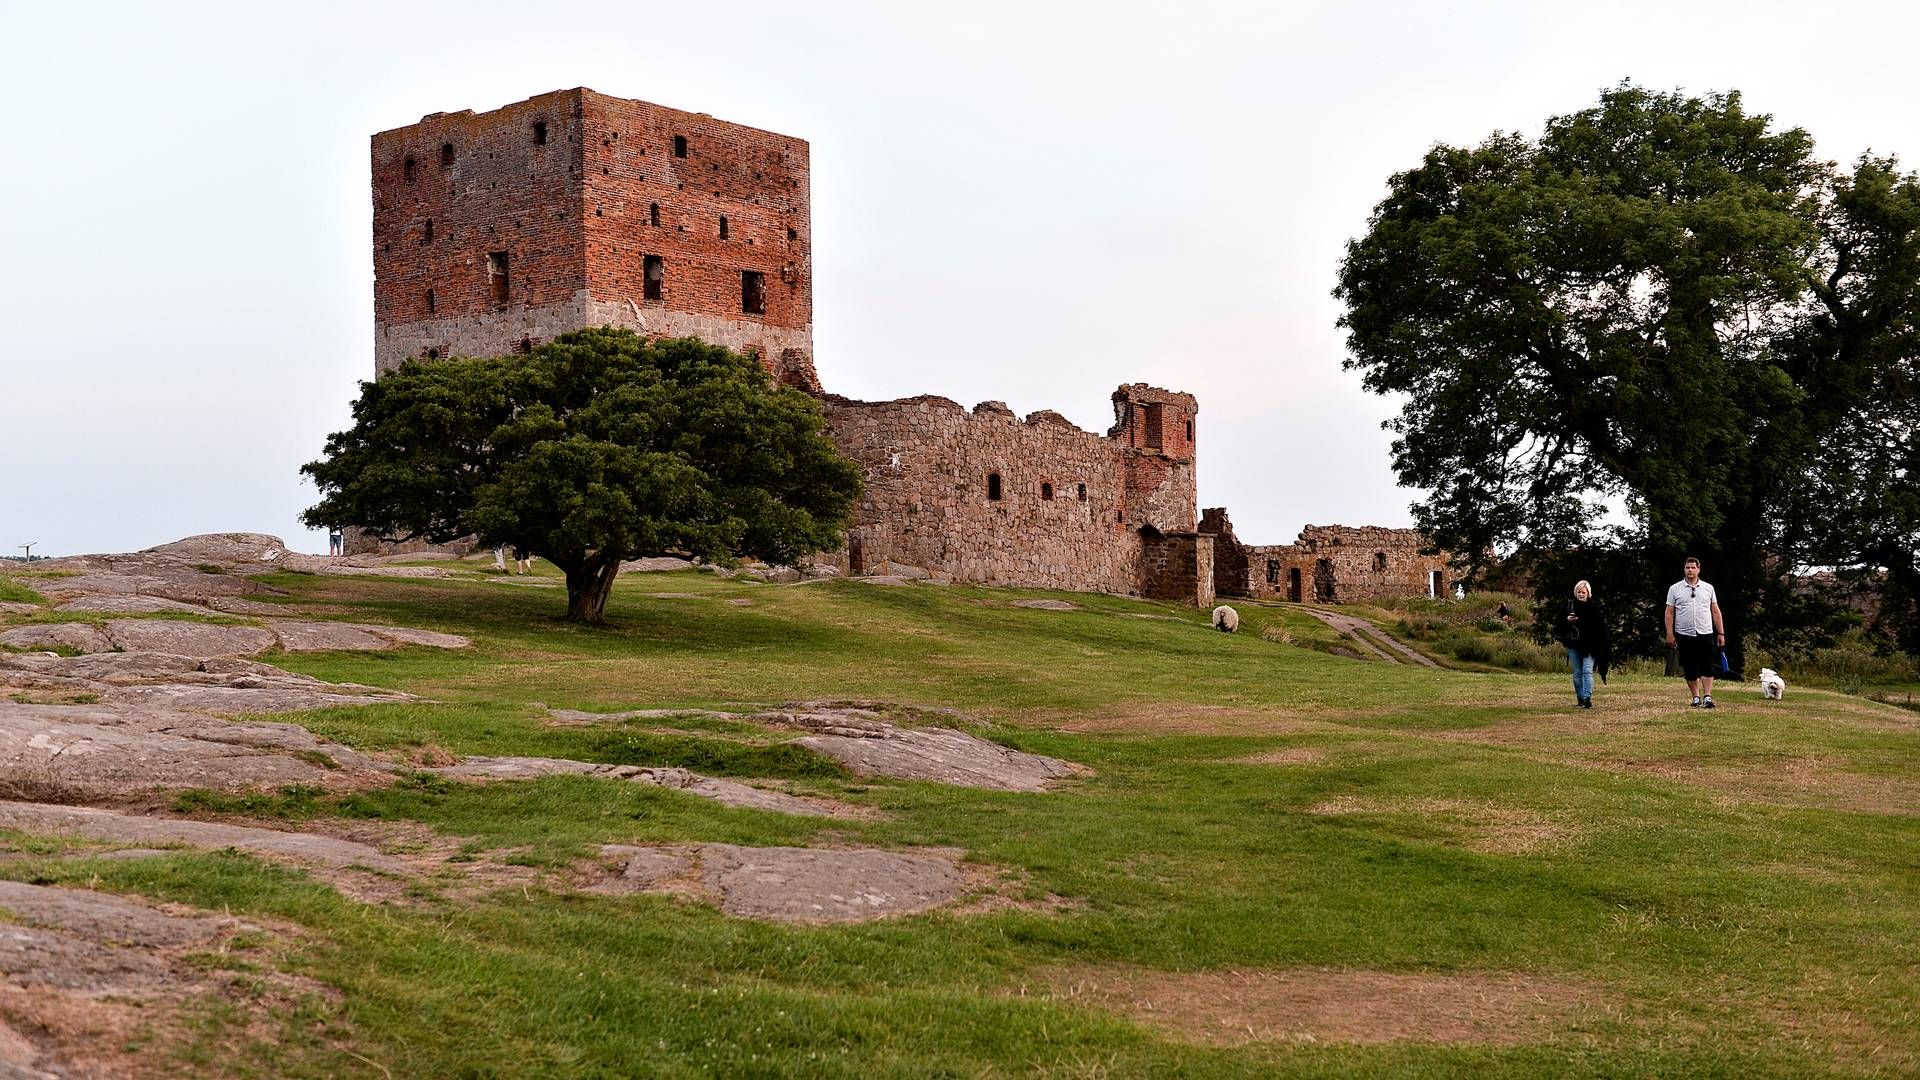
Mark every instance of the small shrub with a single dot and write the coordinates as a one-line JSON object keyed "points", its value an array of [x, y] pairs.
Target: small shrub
{"points": [[1472, 650]]}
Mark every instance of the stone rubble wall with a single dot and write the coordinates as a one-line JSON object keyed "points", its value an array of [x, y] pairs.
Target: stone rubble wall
{"points": [[1076, 511], [1343, 563], [927, 463], [1229, 554]]}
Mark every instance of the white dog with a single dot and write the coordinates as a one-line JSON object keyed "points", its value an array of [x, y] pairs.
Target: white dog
{"points": [[1772, 686], [1225, 619]]}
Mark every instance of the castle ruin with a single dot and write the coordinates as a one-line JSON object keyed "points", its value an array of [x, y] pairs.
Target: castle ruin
{"points": [[496, 231]]}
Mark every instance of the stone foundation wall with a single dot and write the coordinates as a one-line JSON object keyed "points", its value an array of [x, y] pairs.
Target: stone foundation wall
{"points": [[786, 353]]}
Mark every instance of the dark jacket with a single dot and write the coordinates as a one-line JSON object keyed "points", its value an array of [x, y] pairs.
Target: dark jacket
{"points": [[1586, 633]]}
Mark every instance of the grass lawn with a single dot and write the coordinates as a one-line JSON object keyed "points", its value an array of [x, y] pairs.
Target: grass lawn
{"points": [[1269, 829]]}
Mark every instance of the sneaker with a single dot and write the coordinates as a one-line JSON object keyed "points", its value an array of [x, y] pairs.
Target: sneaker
{"points": [[1694, 704], [1707, 702]]}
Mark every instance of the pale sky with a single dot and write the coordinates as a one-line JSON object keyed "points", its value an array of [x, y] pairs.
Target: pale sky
{"points": [[1028, 202]]}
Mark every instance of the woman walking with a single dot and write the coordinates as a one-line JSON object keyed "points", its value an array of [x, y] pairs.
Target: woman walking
{"points": [[1582, 628]]}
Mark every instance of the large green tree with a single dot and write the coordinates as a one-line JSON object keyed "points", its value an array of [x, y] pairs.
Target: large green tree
{"points": [[1663, 306], [591, 450]]}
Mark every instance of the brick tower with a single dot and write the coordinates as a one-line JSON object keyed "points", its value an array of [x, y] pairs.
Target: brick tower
{"points": [[493, 232]]}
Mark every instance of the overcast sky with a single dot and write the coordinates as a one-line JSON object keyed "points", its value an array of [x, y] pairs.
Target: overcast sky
{"points": [[1028, 202]]}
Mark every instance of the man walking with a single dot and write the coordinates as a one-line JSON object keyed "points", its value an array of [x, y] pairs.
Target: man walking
{"points": [[1695, 627]]}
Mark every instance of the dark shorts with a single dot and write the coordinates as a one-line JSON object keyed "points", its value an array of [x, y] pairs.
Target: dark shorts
{"points": [[1698, 655]]}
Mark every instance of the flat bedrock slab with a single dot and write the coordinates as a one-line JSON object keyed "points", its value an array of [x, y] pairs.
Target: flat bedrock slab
{"points": [[654, 565], [100, 916], [797, 884], [130, 604], [186, 638], [81, 636], [860, 740], [171, 681], [77, 939], [189, 638], [725, 792], [111, 749], [132, 828], [858, 735], [1047, 605]]}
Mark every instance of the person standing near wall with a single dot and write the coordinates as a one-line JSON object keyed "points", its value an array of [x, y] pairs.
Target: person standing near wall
{"points": [[1696, 628], [1582, 628]]}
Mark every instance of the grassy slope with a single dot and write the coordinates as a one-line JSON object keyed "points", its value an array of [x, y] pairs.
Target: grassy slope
{"points": [[1735, 922]]}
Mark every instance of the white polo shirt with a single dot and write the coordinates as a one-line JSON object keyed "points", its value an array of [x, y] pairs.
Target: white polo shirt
{"points": [[1692, 607]]}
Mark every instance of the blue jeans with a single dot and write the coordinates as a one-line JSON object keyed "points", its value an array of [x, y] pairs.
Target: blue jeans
{"points": [[1582, 674]]}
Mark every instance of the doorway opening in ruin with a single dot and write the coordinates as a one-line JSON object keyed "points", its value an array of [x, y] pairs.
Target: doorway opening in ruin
{"points": [[1273, 572], [1435, 586], [497, 277], [1323, 590], [753, 292], [1152, 559], [1293, 584], [1379, 562], [856, 558], [993, 487], [653, 277], [1046, 491]]}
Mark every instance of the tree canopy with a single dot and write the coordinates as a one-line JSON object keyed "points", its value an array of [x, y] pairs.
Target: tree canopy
{"points": [[593, 449], [1665, 306]]}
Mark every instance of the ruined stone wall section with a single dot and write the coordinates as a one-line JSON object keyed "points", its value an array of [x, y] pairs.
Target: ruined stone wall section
{"points": [[1229, 554], [928, 464], [1179, 567], [1354, 563]]}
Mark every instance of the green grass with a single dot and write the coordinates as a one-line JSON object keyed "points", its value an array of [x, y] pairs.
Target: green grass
{"points": [[1738, 889], [13, 591]]}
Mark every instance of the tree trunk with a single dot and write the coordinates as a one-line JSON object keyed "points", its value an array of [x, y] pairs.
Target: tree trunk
{"points": [[589, 583]]}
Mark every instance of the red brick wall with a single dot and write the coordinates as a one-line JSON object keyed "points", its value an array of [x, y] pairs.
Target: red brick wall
{"points": [[755, 179], [500, 193], [574, 217]]}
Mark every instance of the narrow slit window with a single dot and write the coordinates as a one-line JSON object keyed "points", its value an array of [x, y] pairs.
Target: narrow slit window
{"points": [[653, 277], [1046, 491], [497, 277], [406, 169], [993, 487], [1379, 562], [430, 303], [653, 213], [679, 146], [723, 226], [1189, 431], [1273, 572], [1083, 493], [539, 133], [793, 234], [446, 155], [753, 292], [426, 234]]}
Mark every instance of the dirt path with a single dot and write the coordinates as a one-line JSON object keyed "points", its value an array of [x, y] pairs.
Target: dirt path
{"points": [[1371, 638]]}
